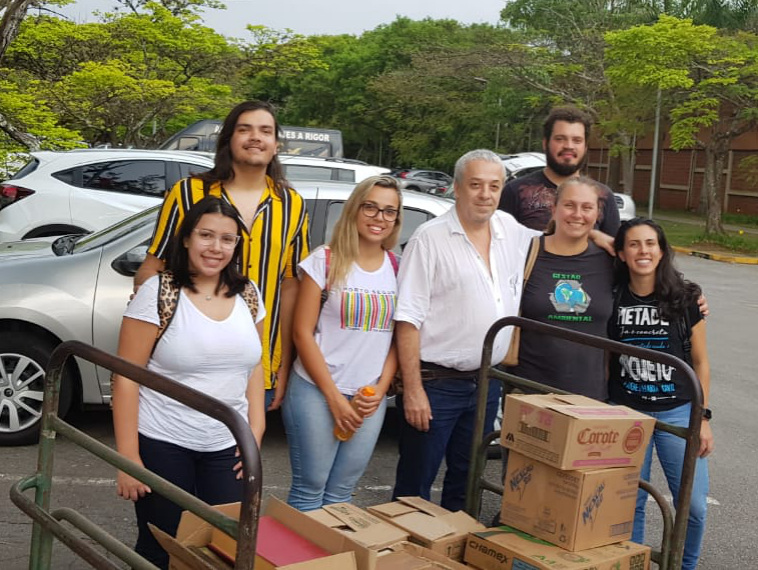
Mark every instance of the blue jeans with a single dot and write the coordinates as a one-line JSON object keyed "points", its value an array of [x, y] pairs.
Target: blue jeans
{"points": [[206, 474], [453, 404], [670, 450], [325, 470]]}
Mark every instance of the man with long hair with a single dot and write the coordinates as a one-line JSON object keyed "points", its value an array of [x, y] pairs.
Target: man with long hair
{"points": [[530, 198], [248, 175]]}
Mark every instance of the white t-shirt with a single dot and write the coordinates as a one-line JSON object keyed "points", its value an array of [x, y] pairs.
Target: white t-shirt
{"points": [[214, 357], [354, 330], [447, 292]]}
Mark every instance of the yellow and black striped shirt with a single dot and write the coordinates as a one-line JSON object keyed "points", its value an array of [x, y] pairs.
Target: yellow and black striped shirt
{"points": [[271, 250]]}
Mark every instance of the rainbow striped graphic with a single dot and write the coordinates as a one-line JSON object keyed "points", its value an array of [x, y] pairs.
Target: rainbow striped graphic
{"points": [[367, 312]]}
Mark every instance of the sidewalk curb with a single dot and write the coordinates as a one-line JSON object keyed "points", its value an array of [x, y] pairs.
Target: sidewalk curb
{"points": [[717, 256]]}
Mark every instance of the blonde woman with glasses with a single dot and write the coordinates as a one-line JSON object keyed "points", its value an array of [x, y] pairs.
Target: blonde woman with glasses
{"points": [[343, 331]]}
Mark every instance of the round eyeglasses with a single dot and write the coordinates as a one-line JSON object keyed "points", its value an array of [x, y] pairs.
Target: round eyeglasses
{"points": [[372, 211]]}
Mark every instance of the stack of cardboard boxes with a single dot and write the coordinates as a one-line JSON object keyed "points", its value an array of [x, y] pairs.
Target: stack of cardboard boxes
{"points": [[570, 487], [409, 534]]}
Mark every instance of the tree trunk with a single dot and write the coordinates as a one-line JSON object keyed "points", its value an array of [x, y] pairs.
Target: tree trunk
{"points": [[715, 155], [14, 13], [614, 170]]}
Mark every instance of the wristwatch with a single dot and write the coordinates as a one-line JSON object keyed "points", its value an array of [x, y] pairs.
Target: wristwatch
{"points": [[707, 414]]}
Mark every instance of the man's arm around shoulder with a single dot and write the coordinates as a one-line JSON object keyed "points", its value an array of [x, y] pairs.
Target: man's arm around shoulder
{"points": [[151, 266]]}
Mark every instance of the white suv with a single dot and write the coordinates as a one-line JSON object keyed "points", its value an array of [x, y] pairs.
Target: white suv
{"points": [[323, 169], [81, 191]]}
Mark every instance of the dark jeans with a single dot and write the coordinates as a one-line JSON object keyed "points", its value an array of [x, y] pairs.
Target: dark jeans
{"points": [[453, 404], [207, 475]]}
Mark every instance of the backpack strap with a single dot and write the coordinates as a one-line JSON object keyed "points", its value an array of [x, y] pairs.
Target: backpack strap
{"points": [[327, 263], [531, 257], [168, 299], [685, 332], [394, 261], [250, 296]]}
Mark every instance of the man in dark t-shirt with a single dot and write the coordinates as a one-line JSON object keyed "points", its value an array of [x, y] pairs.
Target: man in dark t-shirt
{"points": [[530, 199]]}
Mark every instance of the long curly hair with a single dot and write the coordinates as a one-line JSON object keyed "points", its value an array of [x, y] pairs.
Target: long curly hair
{"points": [[672, 291], [222, 169]]}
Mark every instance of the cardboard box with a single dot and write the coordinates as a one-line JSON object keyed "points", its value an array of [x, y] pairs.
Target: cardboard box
{"points": [[409, 556], [575, 432], [505, 548], [359, 525], [429, 525], [195, 532], [575, 510]]}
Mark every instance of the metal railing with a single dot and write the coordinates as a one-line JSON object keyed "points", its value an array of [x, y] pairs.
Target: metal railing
{"points": [[669, 557], [48, 524]]}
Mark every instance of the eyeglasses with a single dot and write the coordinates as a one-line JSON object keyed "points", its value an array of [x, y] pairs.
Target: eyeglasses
{"points": [[207, 237], [372, 211]]}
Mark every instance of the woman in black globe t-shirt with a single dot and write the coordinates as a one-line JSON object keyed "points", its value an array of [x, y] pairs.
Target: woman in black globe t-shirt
{"points": [[571, 287], [656, 308]]}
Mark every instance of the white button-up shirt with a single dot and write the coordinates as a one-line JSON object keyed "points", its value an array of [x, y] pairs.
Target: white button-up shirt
{"points": [[446, 291]]}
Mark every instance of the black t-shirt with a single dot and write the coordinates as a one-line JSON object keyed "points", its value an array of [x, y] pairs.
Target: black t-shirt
{"points": [[642, 384], [572, 292], [530, 200]]}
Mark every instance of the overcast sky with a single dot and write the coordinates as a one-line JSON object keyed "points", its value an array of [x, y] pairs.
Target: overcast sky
{"points": [[321, 16]]}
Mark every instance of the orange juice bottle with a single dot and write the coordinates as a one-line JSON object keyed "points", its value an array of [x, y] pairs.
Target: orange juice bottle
{"points": [[344, 435]]}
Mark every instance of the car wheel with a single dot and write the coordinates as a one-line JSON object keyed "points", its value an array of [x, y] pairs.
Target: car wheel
{"points": [[23, 360]]}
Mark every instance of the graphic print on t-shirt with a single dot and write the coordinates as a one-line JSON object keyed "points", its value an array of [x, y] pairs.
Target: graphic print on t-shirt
{"points": [[366, 310], [568, 296], [642, 326]]}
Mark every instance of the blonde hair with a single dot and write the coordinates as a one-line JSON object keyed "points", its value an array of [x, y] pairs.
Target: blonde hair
{"points": [[577, 181], [344, 242]]}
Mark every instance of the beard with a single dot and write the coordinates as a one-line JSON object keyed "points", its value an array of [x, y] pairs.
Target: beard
{"points": [[560, 168]]}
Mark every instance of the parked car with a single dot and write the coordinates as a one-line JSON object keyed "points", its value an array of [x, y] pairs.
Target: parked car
{"points": [[76, 288], [85, 190], [336, 169], [431, 181]]}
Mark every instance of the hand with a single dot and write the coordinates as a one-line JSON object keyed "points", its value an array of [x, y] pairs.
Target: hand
{"points": [[702, 304], [367, 405], [280, 388], [345, 416], [604, 241], [130, 488], [418, 412], [706, 439], [237, 466]]}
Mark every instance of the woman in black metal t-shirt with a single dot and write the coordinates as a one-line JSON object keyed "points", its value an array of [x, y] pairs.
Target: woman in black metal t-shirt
{"points": [[656, 308]]}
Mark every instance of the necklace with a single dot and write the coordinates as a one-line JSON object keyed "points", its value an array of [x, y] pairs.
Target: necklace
{"points": [[640, 299], [208, 297]]}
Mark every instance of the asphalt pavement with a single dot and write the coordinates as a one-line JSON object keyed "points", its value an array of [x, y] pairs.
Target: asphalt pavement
{"points": [[86, 484]]}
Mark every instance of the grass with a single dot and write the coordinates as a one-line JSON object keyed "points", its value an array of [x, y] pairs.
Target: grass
{"points": [[691, 235], [733, 219]]}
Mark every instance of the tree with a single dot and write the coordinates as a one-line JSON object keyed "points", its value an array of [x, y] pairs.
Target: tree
{"points": [[129, 79], [714, 80]]}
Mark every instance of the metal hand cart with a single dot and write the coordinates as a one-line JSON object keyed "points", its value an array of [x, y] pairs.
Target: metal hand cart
{"points": [[669, 555], [49, 524]]}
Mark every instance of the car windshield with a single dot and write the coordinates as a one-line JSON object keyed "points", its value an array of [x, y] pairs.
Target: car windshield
{"points": [[116, 231]]}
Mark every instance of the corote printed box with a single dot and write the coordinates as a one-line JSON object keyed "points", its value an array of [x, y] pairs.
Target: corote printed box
{"points": [[575, 432], [575, 510]]}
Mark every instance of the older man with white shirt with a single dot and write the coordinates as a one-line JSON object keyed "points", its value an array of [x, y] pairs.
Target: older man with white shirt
{"points": [[460, 273]]}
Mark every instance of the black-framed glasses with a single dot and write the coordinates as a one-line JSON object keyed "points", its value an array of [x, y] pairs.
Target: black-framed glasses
{"points": [[226, 241], [372, 211]]}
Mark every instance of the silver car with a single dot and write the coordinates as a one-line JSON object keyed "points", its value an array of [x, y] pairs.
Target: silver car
{"points": [[76, 288]]}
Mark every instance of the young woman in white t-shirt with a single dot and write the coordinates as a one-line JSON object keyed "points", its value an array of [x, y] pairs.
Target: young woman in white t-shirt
{"points": [[342, 346], [211, 344]]}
